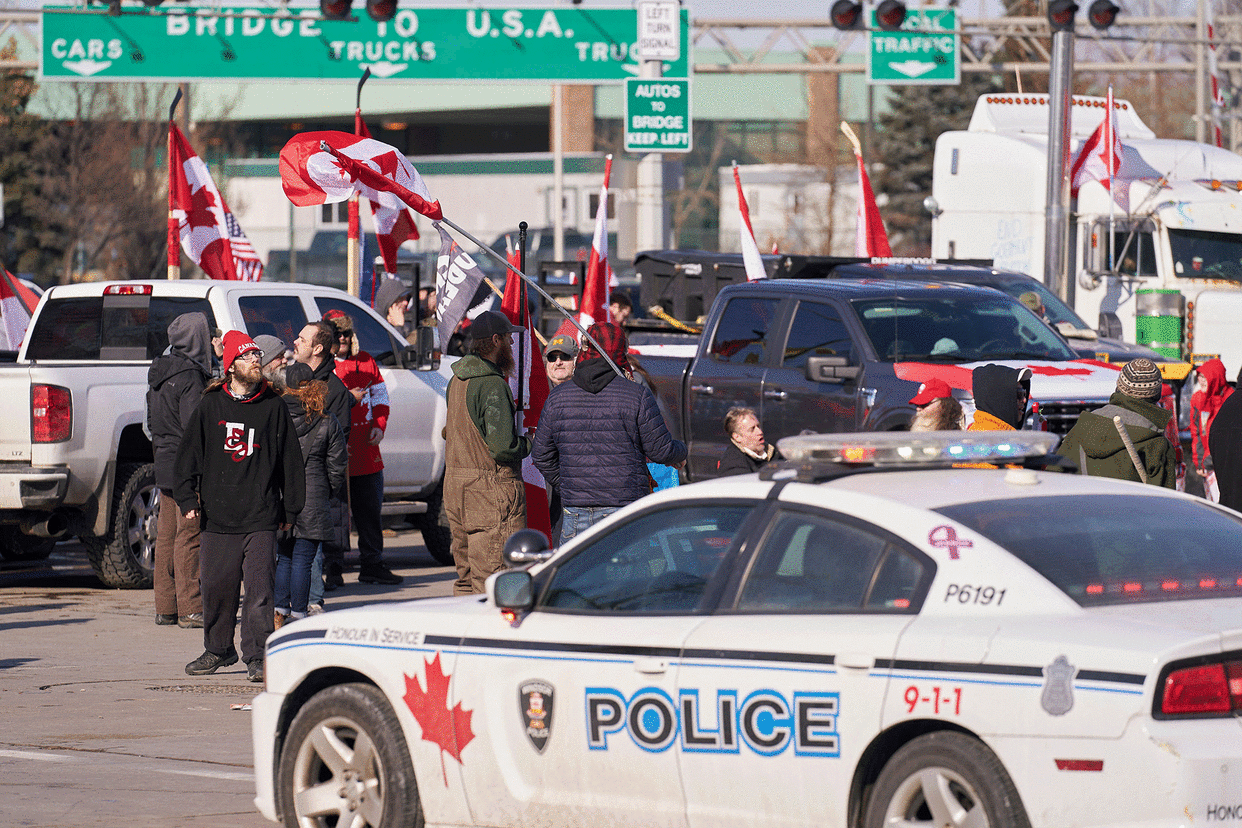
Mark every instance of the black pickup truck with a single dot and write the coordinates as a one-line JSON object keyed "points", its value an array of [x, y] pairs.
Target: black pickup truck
{"points": [[847, 354]]}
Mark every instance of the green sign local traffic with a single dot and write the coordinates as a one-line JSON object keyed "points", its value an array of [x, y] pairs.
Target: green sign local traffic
{"points": [[927, 50], [181, 43]]}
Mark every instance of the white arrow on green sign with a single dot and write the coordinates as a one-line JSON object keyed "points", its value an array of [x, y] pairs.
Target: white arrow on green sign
{"points": [[927, 50], [179, 42]]}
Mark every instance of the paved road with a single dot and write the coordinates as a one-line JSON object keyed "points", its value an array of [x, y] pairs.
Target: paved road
{"points": [[101, 725]]}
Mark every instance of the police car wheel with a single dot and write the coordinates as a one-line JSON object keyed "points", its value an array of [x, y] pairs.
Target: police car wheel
{"points": [[346, 762], [945, 779]]}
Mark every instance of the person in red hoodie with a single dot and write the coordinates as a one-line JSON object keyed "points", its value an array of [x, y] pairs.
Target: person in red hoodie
{"points": [[368, 419], [1211, 389]]}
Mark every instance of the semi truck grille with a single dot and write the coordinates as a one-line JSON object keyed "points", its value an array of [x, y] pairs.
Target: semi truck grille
{"points": [[1062, 414]]}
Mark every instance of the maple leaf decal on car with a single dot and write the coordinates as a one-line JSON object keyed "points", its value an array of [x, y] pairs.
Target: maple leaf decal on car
{"points": [[448, 729]]}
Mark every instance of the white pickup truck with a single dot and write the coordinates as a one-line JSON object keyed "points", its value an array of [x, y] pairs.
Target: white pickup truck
{"points": [[75, 461]]}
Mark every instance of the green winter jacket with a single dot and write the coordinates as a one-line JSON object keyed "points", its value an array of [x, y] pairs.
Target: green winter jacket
{"points": [[491, 408], [1094, 438]]}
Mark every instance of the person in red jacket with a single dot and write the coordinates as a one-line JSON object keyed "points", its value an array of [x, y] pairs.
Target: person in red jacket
{"points": [[1211, 389], [360, 373]]}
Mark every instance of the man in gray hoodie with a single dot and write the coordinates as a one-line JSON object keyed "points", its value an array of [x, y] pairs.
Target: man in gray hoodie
{"points": [[176, 381]]}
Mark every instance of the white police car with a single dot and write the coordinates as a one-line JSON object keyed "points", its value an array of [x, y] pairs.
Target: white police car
{"points": [[844, 641]]}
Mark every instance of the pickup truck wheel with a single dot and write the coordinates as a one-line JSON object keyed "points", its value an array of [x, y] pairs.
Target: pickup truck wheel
{"points": [[125, 557], [436, 535], [16, 545]]}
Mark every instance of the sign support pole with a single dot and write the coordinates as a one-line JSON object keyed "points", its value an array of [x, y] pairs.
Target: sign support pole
{"points": [[650, 234]]}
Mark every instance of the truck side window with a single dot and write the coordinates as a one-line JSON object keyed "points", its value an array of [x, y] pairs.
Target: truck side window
{"points": [[279, 316], [817, 330], [742, 331], [163, 310], [372, 336]]}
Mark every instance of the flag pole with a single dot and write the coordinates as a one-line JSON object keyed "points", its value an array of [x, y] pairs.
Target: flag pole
{"points": [[521, 312], [1112, 201], [353, 254], [555, 304], [174, 233]]}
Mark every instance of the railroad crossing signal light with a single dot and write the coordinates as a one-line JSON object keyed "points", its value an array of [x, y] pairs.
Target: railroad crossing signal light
{"points": [[846, 14], [335, 9], [1102, 14], [1061, 15], [890, 14], [381, 11]]}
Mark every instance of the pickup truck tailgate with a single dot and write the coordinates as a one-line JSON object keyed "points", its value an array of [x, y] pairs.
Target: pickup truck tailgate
{"points": [[15, 414]]}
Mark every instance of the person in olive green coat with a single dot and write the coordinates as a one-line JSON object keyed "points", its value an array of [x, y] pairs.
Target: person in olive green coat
{"points": [[484, 497], [1094, 444]]}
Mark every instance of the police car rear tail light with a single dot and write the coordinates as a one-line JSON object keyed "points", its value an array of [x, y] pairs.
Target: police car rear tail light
{"points": [[917, 448], [1201, 689]]}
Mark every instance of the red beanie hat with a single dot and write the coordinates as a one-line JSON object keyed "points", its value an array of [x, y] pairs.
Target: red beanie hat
{"points": [[237, 343]]}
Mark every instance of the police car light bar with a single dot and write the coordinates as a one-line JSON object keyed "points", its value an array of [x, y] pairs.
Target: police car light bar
{"points": [[905, 448]]}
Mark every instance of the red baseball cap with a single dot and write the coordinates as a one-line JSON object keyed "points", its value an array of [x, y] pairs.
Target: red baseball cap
{"points": [[933, 389], [236, 343]]}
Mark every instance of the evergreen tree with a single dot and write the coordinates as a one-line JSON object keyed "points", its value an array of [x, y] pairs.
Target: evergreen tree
{"points": [[27, 243]]}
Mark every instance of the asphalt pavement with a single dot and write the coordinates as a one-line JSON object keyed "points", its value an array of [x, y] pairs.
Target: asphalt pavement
{"points": [[101, 725]]}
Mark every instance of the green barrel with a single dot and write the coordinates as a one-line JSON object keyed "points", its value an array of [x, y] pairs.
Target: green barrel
{"points": [[1158, 323]]}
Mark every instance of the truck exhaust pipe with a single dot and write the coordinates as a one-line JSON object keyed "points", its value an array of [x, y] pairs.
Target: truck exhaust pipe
{"points": [[52, 526]]}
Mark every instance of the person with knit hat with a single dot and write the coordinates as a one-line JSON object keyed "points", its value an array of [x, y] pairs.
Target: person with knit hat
{"points": [[392, 299], [238, 471], [1096, 445], [1001, 395], [935, 408], [597, 432], [272, 359]]}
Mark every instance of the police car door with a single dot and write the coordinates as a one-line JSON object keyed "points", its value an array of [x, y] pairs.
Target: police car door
{"points": [[776, 692], [578, 698]]}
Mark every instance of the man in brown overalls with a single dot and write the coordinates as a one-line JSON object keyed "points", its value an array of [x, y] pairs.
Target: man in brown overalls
{"points": [[484, 497]]}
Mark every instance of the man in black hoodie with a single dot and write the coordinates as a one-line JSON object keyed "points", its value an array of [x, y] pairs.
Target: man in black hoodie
{"points": [[176, 381], [240, 466]]}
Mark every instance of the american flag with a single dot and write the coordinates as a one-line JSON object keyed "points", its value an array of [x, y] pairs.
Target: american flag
{"points": [[245, 260]]}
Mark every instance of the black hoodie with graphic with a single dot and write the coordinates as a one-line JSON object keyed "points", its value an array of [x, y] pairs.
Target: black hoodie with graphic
{"points": [[175, 388], [241, 458]]}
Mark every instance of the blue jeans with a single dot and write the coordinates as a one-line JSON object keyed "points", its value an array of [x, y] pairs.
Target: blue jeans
{"points": [[293, 574], [316, 578], [577, 519]]}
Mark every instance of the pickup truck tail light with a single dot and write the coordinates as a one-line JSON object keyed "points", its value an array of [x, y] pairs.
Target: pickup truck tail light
{"points": [[1203, 689], [51, 414]]}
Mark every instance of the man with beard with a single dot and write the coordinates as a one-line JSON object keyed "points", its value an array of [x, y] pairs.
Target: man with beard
{"points": [[483, 455], [239, 466]]}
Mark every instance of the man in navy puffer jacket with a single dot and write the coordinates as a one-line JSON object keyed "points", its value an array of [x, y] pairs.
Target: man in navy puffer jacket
{"points": [[596, 434]]}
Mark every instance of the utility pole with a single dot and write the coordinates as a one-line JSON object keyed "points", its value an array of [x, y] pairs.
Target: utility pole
{"points": [[654, 17], [1056, 214]]}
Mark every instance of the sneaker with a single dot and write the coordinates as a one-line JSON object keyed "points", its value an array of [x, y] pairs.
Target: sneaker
{"points": [[209, 662], [278, 620], [314, 609], [332, 580], [193, 621], [165, 619], [378, 574], [254, 671]]}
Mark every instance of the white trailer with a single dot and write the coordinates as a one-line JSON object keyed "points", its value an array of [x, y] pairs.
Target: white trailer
{"points": [[1175, 278]]}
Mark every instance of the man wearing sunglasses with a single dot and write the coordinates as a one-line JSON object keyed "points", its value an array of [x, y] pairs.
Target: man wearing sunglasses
{"points": [[561, 353]]}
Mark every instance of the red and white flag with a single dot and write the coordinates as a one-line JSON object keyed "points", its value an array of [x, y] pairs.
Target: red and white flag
{"points": [[751, 259], [394, 225], [596, 288], [17, 304], [1099, 158], [210, 234], [351, 164], [871, 240], [529, 385]]}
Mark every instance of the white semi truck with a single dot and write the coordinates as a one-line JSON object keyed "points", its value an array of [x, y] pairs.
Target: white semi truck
{"points": [[1175, 282]]}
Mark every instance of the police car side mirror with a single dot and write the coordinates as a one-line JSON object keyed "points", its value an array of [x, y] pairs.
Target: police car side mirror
{"points": [[526, 546], [422, 355], [511, 590], [830, 369]]}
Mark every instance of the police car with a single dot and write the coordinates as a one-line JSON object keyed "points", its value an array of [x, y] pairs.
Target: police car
{"points": [[866, 636]]}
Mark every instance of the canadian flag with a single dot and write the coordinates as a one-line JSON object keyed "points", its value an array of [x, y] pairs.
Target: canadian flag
{"points": [[529, 385], [1099, 158], [327, 167], [17, 304], [210, 234], [599, 276], [870, 240], [750, 251], [394, 225]]}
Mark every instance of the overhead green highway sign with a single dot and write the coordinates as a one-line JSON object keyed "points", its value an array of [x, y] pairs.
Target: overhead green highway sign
{"points": [[927, 50]]}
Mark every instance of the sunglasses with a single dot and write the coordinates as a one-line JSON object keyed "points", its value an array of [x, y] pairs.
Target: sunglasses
{"points": [[559, 357], [345, 335]]}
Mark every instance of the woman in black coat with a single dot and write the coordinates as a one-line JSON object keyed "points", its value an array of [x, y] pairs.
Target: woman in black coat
{"points": [[327, 474]]}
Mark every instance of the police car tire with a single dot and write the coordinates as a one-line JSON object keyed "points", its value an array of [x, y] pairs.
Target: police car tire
{"points": [[342, 712], [125, 557], [975, 777]]}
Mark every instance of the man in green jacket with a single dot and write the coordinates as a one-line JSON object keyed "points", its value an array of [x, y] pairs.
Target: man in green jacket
{"points": [[1095, 443], [484, 497]]}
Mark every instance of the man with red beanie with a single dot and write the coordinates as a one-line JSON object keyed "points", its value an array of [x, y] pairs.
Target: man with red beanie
{"points": [[239, 471]]}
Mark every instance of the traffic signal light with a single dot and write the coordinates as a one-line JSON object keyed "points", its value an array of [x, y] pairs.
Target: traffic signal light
{"points": [[1061, 15], [846, 14], [890, 14], [1102, 14], [334, 9], [381, 11]]}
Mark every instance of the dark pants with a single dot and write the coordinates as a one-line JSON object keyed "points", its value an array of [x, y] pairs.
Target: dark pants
{"points": [[227, 561], [366, 498], [176, 561], [293, 574]]}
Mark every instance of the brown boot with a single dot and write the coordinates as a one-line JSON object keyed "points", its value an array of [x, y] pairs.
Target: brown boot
{"points": [[278, 621]]}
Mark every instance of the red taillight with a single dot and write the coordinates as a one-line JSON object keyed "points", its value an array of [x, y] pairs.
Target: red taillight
{"points": [[1205, 688], [51, 414]]}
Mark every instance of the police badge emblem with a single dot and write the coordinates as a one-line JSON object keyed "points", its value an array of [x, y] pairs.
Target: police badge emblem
{"points": [[1058, 695], [535, 704]]}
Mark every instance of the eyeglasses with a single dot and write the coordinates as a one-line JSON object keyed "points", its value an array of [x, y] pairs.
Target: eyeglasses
{"points": [[249, 356], [559, 357], [345, 335]]}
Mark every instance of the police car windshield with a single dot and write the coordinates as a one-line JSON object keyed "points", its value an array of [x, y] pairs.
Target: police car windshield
{"points": [[1110, 549], [949, 329]]}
